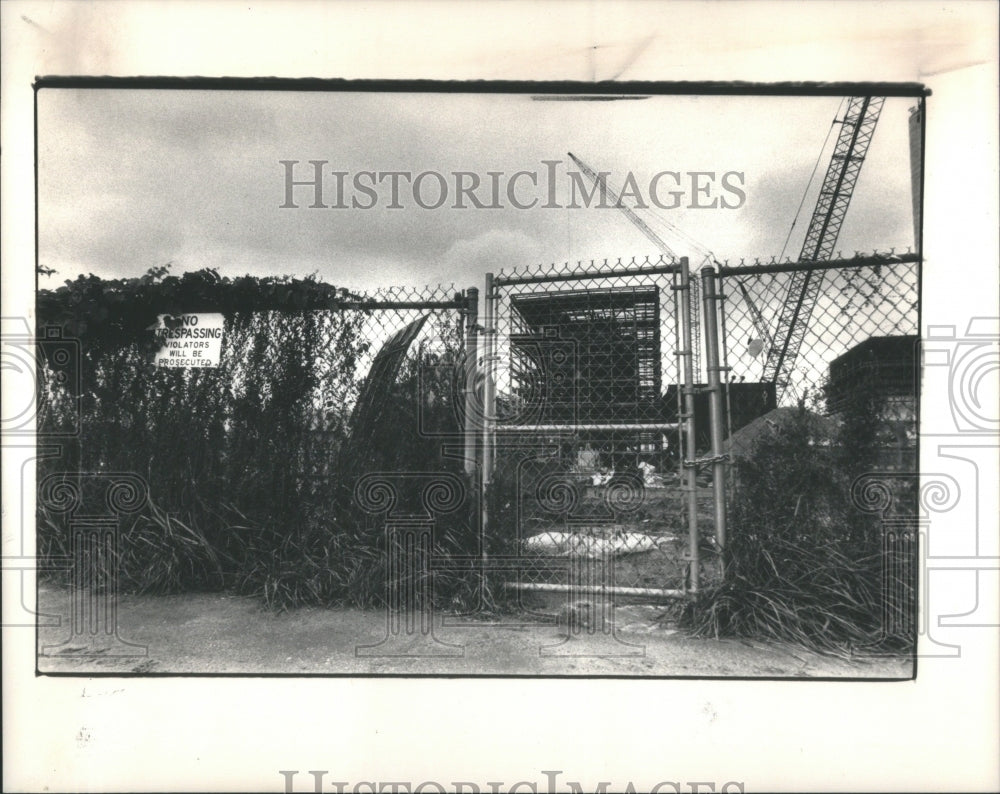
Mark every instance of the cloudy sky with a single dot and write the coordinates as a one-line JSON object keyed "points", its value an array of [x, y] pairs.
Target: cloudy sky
{"points": [[130, 179]]}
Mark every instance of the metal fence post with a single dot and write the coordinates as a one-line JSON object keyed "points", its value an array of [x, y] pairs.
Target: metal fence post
{"points": [[717, 416], [471, 368], [489, 400], [726, 372], [686, 418]]}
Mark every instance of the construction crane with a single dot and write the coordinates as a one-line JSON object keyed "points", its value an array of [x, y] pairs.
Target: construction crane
{"points": [[602, 185], [640, 224], [856, 129], [758, 319]]}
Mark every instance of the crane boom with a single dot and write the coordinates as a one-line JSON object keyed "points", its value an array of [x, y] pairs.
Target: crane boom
{"points": [[642, 226], [856, 131], [758, 319], [602, 184]]}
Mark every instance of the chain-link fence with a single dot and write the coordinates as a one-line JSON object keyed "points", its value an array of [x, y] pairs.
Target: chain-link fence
{"points": [[602, 465], [286, 387], [864, 319], [245, 459], [589, 412], [822, 385], [588, 366]]}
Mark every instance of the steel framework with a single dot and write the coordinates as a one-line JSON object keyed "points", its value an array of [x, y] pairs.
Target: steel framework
{"points": [[856, 130]]}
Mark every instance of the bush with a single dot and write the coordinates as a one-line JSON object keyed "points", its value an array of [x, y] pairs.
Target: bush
{"points": [[248, 486], [155, 552], [801, 565]]}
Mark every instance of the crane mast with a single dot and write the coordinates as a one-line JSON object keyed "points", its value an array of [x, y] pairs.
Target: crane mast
{"points": [[856, 131]]}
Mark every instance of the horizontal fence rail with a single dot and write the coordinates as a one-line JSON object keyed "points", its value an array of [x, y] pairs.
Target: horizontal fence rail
{"points": [[756, 267]]}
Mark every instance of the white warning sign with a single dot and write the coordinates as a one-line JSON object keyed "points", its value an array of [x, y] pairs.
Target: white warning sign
{"points": [[189, 340]]}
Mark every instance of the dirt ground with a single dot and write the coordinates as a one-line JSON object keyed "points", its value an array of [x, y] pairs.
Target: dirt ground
{"points": [[220, 633]]}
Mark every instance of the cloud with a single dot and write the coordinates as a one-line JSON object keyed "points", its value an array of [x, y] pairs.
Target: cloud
{"points": [[491, 251], [130, 179]]}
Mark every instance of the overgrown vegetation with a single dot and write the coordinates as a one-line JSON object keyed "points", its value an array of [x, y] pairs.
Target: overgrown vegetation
{"points": [[247, 488], [250, 490], [803, 563]]}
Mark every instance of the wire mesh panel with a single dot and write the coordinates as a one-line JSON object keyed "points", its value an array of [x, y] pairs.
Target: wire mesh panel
{"points": [[258, 438], [858, 300], [586, 370], [312, 365], [807, 438]]}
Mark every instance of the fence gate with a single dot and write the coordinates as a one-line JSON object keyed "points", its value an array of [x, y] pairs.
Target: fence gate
{"points": [[589, 427]]}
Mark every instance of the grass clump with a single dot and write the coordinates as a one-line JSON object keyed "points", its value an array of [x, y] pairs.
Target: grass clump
{"points": [[803, 565]]}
